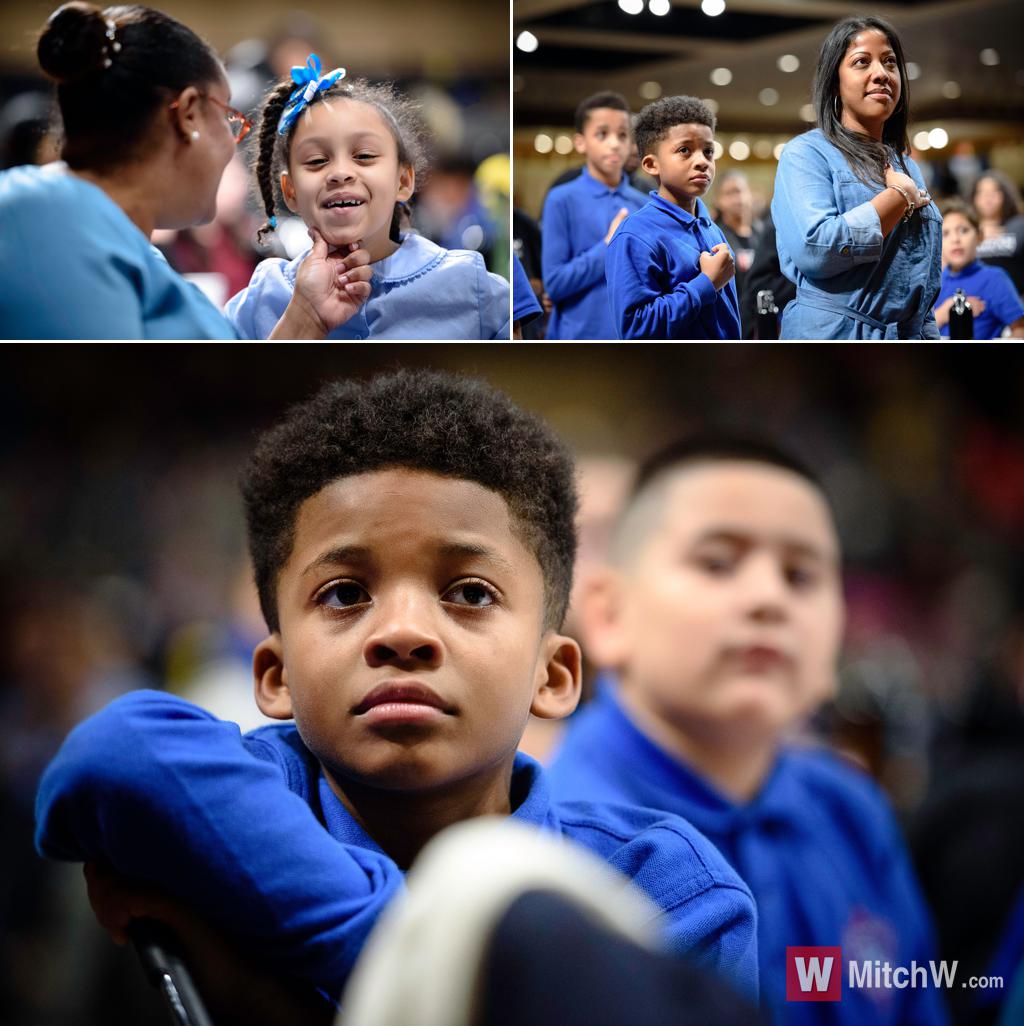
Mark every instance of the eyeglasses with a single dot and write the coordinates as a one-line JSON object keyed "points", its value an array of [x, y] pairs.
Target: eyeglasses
{"points": [[239, 124]]}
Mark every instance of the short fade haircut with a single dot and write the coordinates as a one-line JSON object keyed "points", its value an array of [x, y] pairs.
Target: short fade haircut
{"points": [[613, 101], [445, 424], [710, 447], [958, 206], [655, 121]]}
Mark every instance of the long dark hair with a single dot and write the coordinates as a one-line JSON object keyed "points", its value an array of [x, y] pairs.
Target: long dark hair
{"points": [[114, 68], [867, 158]]}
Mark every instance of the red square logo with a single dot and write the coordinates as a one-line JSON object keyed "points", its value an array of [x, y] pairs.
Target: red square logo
{"points": [[814, 974]]}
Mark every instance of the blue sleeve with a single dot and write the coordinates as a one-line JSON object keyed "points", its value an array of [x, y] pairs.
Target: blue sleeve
{"points": [[525, 307], [566, 275], [493, 291], [1003, 298], [640, 308], [168, 794], [819, 238]]}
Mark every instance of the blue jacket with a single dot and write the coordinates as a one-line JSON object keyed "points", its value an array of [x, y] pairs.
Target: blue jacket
{"points": [[248, 830], [818, 846], [74, 265], [656, 288], [851, 281], [575, 221], [995, 286], [421, 291]]}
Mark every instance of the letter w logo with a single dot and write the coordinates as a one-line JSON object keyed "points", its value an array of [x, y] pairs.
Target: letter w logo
{"points": [[814, 974]]}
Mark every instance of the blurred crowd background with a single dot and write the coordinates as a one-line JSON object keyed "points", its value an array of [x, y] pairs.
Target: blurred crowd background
{"points": [[122, 565], [752, 62], [450, 56]]}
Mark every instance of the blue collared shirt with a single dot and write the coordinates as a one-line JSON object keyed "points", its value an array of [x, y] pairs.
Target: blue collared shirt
{"points": [[576, 219], [249, 830], [74, 265], [421, 291], [995, 286], [818, 846], [656, 288], [852, 282]]}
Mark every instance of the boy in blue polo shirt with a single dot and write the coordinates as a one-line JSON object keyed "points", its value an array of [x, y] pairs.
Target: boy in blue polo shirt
{"points": [[721, 616], [670, 271], [582, 216], [994, 300], [413, 541]]}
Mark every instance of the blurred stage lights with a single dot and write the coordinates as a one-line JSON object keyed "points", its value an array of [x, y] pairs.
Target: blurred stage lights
{"points": [[631, 6], [777, 152], [721, 76], [527, 42], [762, 149], [768, 96], [938, 138], [913, 70], [788, 62], [989, 57], [718, 149], [951, 90], [650, 90], [739, 149], [712, 8], [543, 143], [807, 113], [712, 104], [921, 142], [659, 7], [563, 144]]}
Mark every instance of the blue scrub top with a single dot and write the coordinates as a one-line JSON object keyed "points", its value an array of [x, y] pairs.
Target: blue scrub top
{"points": [[818, 846], [995, 286], [851, 281], [249, 830], [575, 221], [656, 288], [75, 266]]}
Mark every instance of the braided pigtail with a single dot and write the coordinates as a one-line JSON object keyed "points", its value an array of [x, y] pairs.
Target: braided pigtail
{"points": [[266, 179]]}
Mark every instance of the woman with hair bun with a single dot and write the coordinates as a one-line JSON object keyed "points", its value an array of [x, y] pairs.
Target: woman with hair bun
{"points": [[857, 231], [148, 131]]}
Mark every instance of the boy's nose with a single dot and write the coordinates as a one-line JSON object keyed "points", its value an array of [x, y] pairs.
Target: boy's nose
{"points": [[766, 594], [404, 637]]}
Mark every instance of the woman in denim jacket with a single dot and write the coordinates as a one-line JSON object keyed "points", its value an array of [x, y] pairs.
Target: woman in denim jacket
{"points": [[857, 231]]}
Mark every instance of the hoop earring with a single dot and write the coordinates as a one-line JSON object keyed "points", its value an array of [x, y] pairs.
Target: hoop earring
{"points": [[835, 107]]}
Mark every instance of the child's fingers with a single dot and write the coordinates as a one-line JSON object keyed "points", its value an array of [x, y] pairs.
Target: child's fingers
{"points": [[358, 290], [363, 273], [319, 244], [357, 258]]}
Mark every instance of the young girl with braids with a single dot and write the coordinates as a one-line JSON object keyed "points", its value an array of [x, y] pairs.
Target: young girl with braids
{"points": [[346, 156]]}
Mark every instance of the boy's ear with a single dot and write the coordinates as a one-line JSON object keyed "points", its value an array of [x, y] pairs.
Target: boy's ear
{"points": [[650, 165], [406, 182], [271, 679], [601, 614], [580, 142], [288, 191], [559, 673]]}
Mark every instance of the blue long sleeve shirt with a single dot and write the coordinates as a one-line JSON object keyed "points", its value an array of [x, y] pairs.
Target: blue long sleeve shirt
{"points": [[818, 846], [575, 221], [247, 829], [656, 288], [75, 266], [852, 282], [995, 286]]}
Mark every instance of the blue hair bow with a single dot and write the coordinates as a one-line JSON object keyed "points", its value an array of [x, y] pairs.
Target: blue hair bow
{"points": [[308, 82]]}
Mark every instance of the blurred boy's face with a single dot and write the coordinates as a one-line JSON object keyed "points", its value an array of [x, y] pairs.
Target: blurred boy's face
{"points": [[684, 163], [412, 648], [605, 140], [726, 619], [959, 241]]}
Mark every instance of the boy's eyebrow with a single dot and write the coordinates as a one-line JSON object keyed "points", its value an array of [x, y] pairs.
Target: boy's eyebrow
{"points": [[469, 549], [342, 554], [338, 555], [793, 544]]}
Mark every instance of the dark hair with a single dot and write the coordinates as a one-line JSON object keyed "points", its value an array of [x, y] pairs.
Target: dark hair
{"points": [[867, 158], [1011, 194], [958, 206], [272, 150], [114, 68], [446, 424], [613, 101], [716, 448], [655, 121]]}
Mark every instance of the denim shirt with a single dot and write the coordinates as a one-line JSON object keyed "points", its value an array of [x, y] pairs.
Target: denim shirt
{"points": [[852, 282], [421, 291]]}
